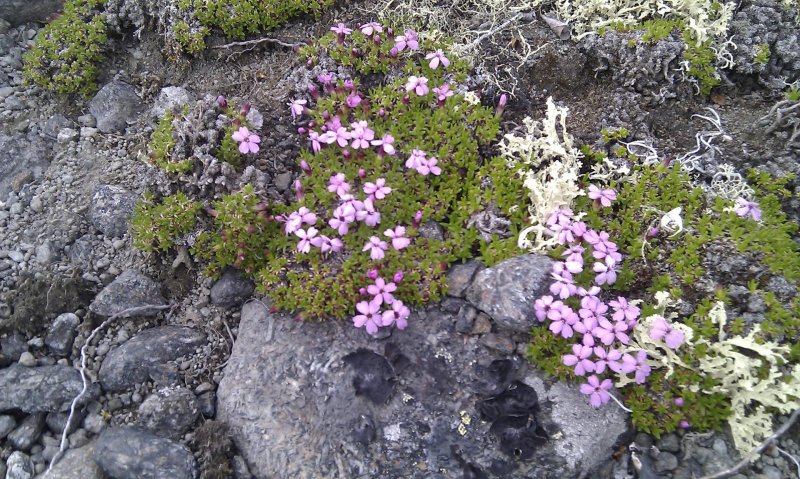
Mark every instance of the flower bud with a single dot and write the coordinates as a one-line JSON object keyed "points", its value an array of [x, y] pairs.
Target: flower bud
{"points": [[346, 154], [298, 190], [326, 115], [301, 130], [393, 52], [313, 91], [304, 166], [684, 424], [372, 274], [679, 402], [652, 233], [398, 277], [362, 291], [222, 102], [348, 85], [501, 105], [355, 52], [381, 113], [245, 109], [417, 219], [361, 173], [377, 39], [251, 229]]}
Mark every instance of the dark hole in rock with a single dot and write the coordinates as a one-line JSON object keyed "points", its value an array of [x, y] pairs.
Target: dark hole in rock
{"points": [[468, 469], [364, 430], [496, 377], [397, 359], [518, 400], [373, 377], [519, 436]]}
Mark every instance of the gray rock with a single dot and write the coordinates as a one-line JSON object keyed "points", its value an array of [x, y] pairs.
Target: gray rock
{"points": [[507, 291], [207, 403], [56, 421], [76, 464], [27, 432], [54, 124], [669, 442], [62, 333], [131, 363], [169, 412], [67, 135], [466, 319], [7, 424], [431, 230], [482, 325], [26, 359], [17, 12], [114, 106], [231, 289], [27, 154], [112, 206], [460, 277], [133, 453], [772, 472], [131, 289], [87, 120], [498, 342], [19, 466], [13, 346], [240, 469], [47, 252], [80, 253], [41, 389], [171, 98], [665, 462]]}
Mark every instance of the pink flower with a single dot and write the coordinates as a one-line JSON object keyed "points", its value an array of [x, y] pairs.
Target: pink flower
{"points": [[353, 100], [638, 365], [561, 317], [409, 40], [304, 245], [398, 277], [605, 197], [564, 287], [436, 58], [592, 307], [315, 141], [416, 159], [397, 316], [370, 316], [361, 136], [370, 28], [678, 402], [580, 359], [341, 29], [578, 229], [574, 253], [745, 208], [443, 92], [376, 247], [382, 291], [605, 358], [663, 330], [248, 142], [297, 107], [596, 390], [326, 79], [368, 214], [397, 235], [624, 311], [326, 244], [606, 272], [542, 306], [338, 184], [297, 218], [562, 216], [386, 142], [429, 166], [418, 84], [379, 188], [607, 332]]}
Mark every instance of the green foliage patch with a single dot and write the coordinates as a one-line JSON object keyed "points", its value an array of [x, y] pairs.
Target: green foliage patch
{"points": [[155, 226]]}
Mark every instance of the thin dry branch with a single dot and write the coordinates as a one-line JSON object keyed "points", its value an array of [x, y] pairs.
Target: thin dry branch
{"points": [[253, 43]]}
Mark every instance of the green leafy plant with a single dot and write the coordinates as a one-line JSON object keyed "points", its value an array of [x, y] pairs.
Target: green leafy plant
{"points": [[155, 226], [161, 144], [67, 52], [762, 53]]}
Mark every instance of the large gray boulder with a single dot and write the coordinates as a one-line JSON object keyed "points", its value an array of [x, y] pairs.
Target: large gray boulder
{"points": [[133, 361], [75, 464], [115, 105], [507, 291], [40, 389]]}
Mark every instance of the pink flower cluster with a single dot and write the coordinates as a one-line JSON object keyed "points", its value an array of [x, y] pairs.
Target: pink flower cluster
{"points": [[394, 313]]}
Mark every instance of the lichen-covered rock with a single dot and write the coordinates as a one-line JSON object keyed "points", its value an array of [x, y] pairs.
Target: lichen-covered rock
{"points": [[62, 333], [43, 388], [133, 361], [76, 464], [112, 206], [171, 98], [169, 412], [460, 277], [507, 291], [131, 289], [114, 106], [133, 453]]}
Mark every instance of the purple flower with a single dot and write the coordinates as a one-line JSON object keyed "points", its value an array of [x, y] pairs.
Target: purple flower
{"points": [[315, 141], [745, 208], [624, 311], [574, 254], [592, 307], [379, 188], [605, 197], [397, 235], [564, 287], [368, 214], [326, 79], [386, 143], [561, 317], [341, 29], [361, 136], [663, 330], [376, 247], [637, 365], [371, 27], [370, 316], [398, 277], [593, 291], [338, 184], [606, 272], [248, 142], [578, 229], [416, 159], [397, 315], [580, 359], [409, 40], [684, 424], [304, 245], [678, 402], [607, 332], [429, 166], [353, 100], [436, 58], [596, 390], [418, 84], [326, 244], [542, 306], [562, 216], [443, 92], [297, 218], [606, 358], [382, 291]]}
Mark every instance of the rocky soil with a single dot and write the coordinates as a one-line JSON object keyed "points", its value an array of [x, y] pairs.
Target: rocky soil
{"points": [[204, 379]]}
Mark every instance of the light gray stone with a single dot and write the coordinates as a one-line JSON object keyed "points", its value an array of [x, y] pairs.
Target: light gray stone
{"points": [[76, 463], [171, 98], [131, 289], [133, 453], [62, 333], [112, 206], [169, 412], [42, 388], [19, 466], [114, 106]]}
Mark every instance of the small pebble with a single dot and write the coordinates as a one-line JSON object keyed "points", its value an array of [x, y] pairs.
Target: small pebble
{"points": [[26, 359]]}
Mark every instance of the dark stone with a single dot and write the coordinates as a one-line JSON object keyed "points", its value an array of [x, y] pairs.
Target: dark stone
{"points": [[364, 430], [131, 362], [669, 442], [507, 291], [133, 453], [112, 206], [17, 12], [644, 440], [57, 421], [22, 153], [460, 277], [374, 377], [498, 342], [165, 375], [80, 252], [482, 324], [41, 389], [77, 463], [130, 289], [518, 400], [13, 346], [169, 412], [431, 230], [62, 333], [232, 289], [114, 106], [27, 433], [466, 319], [665, 462], [451, 304], [7, 424], [207, 403]]}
